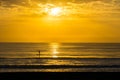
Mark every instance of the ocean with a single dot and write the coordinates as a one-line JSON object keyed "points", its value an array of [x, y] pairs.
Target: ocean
{"points": [[59, 57]]}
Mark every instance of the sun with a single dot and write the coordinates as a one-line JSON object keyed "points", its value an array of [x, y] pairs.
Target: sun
{"points": [[55, 11]]}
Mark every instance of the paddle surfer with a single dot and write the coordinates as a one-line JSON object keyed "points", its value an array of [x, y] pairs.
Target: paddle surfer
{"points": [[39, 53]]}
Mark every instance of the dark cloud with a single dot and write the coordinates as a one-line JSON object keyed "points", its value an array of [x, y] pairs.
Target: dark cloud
{"points": [[8, 3], [14, 1], [27, 1]]}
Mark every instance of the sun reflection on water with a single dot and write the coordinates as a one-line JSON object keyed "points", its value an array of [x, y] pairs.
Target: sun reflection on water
{"points": [[54, 49]]}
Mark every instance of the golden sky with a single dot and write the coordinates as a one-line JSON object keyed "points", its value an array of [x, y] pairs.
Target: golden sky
{"points": [[59, 20]]}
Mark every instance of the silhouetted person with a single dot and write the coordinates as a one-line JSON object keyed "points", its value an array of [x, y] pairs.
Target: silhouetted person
{"points": [[39, 53]]}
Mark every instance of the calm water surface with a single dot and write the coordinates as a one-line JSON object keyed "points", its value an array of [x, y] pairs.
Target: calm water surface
{"points": [[59, 57]]}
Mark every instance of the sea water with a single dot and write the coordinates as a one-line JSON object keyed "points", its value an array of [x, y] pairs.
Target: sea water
{"points": [[59, 57]]}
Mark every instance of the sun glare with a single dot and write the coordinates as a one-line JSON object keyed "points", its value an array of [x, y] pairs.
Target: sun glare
{"points": [[55, 11]]}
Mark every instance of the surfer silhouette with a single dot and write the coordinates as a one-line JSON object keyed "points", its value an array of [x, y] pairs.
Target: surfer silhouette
{"points": [[39, 53]]}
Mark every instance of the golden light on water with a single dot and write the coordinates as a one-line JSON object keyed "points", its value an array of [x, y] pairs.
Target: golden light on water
{"points": [[54, 49], [54, 56]]}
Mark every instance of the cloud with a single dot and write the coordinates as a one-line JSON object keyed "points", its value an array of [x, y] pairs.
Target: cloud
{"points": [[35, 8], [9, 3], [26, 2]]}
